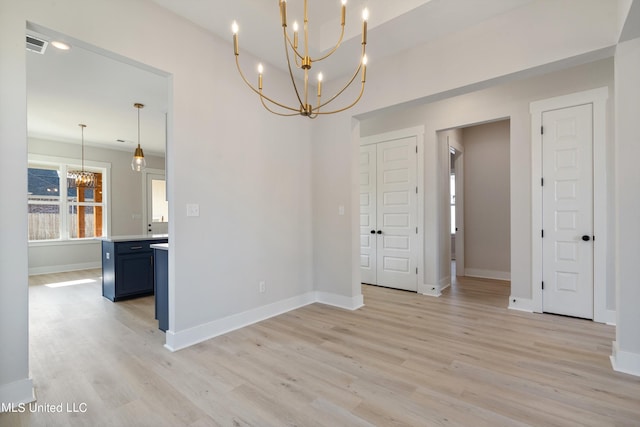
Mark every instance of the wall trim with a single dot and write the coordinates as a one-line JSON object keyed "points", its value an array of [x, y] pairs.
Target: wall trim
{"points": [[340, 301], [182, 339], [625, 361], [33, 271], [487, 274], [598, 98], [18, 392], [433, 290], [520, 304]]}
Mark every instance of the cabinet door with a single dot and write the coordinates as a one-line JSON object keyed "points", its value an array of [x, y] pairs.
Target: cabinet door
{"points": [[134, 273]]}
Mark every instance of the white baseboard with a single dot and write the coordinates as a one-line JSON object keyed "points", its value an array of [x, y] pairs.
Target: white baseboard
{"points": [[487, 274], [610, 317], [520, 304], [64, 268], [432, 290], [348, 303], [624, 361], [16, 393], [178, 340]]}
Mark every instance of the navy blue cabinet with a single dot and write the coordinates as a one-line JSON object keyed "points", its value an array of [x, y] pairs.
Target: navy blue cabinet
{"points": [[127, 268], [161, 278]]}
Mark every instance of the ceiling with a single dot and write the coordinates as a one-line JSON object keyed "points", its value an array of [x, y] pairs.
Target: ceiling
{"points": [[86, 85]]}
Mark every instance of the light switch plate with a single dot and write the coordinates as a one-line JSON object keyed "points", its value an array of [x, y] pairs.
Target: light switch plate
{"points": [[193, 209]]}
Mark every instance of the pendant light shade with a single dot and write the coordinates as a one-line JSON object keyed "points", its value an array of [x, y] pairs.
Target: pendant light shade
{"points": [[138, 163], [81, 178]]}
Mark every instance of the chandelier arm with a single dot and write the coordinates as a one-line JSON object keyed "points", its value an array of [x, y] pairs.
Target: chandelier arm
{"points": [[349, 83], [334, 48], [290, 43], [257, 91], [345, 108], [262, 98], [293, 80]]}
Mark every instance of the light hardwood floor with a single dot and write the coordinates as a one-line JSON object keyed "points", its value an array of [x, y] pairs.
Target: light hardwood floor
{"points": [[403, 359]]}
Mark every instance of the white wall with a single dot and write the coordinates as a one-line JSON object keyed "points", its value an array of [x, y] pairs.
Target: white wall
{"points": [[126, 206], [249, 171], [508, 47], [626, 352], [501, 101], [15, 384], [487, 200]]}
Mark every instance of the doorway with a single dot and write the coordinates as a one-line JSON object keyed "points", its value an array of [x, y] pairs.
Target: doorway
{"points": [[156, 204]]}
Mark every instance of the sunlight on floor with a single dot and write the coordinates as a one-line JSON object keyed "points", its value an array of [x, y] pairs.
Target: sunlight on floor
{"points": [[69, 283]]}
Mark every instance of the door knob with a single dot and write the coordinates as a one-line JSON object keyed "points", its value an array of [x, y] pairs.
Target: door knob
{"points": [[373, 231], [379, 231], [586, 238]]}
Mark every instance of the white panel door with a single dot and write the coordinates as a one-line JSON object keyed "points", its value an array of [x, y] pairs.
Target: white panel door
{"points": [[388, 214], [397, 213], [567, 218], [368, 208]]}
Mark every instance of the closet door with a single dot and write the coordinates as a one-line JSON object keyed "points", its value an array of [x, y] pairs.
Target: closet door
{"points": [[388, 214], [368, 210], [396, 231]]}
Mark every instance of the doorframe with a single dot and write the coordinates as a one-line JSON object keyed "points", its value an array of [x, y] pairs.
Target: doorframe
{"points": [[418, 133], [459, 235], [598, 98], [145, 200]]}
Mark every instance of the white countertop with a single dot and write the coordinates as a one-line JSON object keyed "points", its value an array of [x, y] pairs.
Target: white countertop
{"points": [[162, 246], [134, 237]]}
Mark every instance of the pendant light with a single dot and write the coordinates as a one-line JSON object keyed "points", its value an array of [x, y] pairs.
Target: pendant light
{"points": [[138, 163], [81, 178]]}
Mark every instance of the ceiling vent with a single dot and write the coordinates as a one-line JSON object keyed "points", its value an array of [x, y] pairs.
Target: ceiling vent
{"points": [[36, 45]]}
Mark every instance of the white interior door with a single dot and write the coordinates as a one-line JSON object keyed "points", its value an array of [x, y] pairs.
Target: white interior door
{"points": [[368, 207], [157, 205], [388, 208], [567, 218]]}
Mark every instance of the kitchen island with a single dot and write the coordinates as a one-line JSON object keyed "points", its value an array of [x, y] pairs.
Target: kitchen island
{"points": [[127, 265], [161, 283]]}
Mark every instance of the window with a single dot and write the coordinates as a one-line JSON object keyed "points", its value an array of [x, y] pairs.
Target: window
{"points": [[57, 212]]}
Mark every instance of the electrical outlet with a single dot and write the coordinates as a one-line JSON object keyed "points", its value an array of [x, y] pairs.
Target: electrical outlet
{"points": [[262, 286]]}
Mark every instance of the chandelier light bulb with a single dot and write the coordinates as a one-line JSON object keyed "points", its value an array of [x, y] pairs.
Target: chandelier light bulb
{"points": [[260, 68], [365, 14], [295, 26], [344, 2], [234, 27]]}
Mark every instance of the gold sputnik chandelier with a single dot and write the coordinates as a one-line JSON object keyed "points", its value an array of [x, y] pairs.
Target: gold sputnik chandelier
{"points": [[303, 62]]}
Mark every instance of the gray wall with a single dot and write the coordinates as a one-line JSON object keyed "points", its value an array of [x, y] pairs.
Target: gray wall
{"points": [[487, 200]]}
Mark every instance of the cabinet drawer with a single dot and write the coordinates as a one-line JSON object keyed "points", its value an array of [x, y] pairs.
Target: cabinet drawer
{"points": [[132, 247]]}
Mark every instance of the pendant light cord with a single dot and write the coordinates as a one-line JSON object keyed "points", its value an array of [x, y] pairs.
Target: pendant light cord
{"points": [[138, 127], [82, 127]]}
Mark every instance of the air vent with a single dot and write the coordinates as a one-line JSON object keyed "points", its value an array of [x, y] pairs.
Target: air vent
{"points": [[36, 45]]}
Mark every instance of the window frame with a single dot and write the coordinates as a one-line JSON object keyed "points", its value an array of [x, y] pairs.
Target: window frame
{"points": [[64, 164]]}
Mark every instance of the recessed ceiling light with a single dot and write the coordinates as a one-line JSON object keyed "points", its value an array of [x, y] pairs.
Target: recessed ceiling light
{"points": [[60, 45]]}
